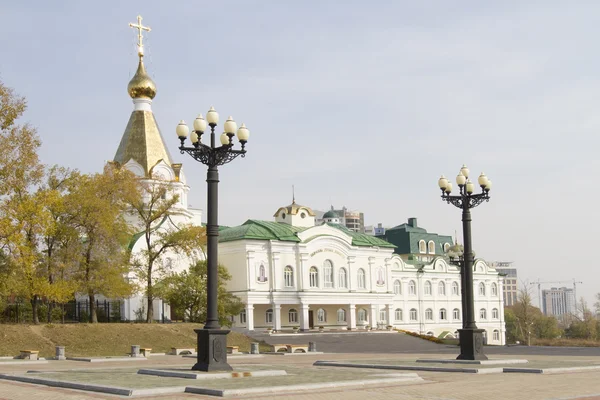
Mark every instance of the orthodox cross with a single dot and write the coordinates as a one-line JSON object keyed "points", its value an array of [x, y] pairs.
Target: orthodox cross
{"points": [[140, 28]]}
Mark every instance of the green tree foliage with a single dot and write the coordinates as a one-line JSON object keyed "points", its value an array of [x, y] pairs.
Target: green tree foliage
{"points": [[524, 321], [186, 294]]}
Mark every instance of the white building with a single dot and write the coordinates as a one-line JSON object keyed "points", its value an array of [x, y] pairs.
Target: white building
{"points": [[290, 273]]}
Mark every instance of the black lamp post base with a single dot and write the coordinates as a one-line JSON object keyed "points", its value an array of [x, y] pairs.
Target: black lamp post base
{"points": [[471, 344], [212, 350]]}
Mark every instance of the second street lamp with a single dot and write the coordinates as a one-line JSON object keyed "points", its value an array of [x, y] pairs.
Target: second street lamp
{"points": [[470, 337], [212, 340]]}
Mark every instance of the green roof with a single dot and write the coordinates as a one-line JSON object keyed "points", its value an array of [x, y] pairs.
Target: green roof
{"points": [[361, 239], [330, 214]]}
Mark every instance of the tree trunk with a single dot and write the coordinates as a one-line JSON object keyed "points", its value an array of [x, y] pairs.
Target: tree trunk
{"points": [[34, 310], [93, 313], [150, 294]]}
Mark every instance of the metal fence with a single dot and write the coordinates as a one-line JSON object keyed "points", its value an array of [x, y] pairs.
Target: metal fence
{"points": [[74, 311]]}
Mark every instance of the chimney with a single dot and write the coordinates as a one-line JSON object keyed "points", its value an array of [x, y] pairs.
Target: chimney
{"points": [[412, 222]]}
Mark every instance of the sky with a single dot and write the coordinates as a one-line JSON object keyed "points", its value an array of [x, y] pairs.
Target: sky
{"points": [[356, 104]]}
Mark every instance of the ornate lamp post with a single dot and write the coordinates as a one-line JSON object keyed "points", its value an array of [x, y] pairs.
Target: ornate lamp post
{"points": [[212, 340], [471, 338]]}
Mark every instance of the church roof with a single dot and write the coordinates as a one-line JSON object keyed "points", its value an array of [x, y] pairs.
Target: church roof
{"points": [[268, 230], [330, 214]]}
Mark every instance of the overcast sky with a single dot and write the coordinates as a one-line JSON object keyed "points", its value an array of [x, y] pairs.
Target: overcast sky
{"points": [[356, 104]]}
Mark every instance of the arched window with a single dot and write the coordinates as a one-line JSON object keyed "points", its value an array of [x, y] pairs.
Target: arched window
{"points": [[428, 288], [442, 289], [262, 277], [288, 276], [412, 288], [341, 315], [495, 314], [327, 274], [413, 314], [321, 315], [496, 335], [342, 278], [397, 287], [243, 316], [429, 314], [443, 314], [293, 315], [269, 316], [456, 314], [494, 289], [422, 247], [380, 276], [482, 314], [481, 289], [313, 277], [431, 246], [362, 315], [446, 247], [455, 290], [398, 314], [361, 279]]}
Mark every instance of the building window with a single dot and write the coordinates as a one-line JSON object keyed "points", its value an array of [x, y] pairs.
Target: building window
{"points": [[422, 247], [380, 276], [293, 315], [321, 315], [431, 246], [412, 288], [314, 277], [342, 278], [361, 278], [482, 289], [382, 315], [262, 277], [442, 289], [496, 335], [327, 274], [429, 314], [398, 314], [269, 316], [456, 314], [495, 314], [443, 314], [397, 287], [413, 314], [341, 314], [428, 288], [494, 290], [446, 247], [455, 290], [288, 276], [243, 316], [362, 315], [482, 314]]}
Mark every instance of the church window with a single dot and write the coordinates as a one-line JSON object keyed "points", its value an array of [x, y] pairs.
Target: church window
{"points": [[262, 277], [314, 277], [495, 314], [455, 290], [397, 287], [341, 315], [321, 315], [380, 276], [398, 314], [269, 316], [482, 314], [494, 289], [496, 335], [342, 278], [413, 314], [382, 315], [442, 289], [422, 247], [428, 288], [482, 289], [412, 288], [431, 246], [456, 314], [429, 314], [288, 276], [362, 315], [243, 316], [328, 274], [361, 279], [293, 315], [443, 314]]}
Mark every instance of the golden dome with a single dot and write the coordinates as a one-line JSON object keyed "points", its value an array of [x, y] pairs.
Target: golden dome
{"points": [[141, 85]]}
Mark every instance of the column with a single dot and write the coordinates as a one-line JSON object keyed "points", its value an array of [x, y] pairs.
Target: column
{"points": [[369, 283], [275, 273], [388, 276], [276, 317], [250, 317], [373, 316], [304, 322], [351, 272], [302, 272], [351, 317], [251, 275], [390, 315]]}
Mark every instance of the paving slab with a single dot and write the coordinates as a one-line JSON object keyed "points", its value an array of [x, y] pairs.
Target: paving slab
{"points": [[405, 367], [187, 374], [497, 361], [106, 359]]}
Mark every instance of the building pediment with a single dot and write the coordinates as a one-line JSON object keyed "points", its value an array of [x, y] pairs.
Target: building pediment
{"points": [[323, 231]]}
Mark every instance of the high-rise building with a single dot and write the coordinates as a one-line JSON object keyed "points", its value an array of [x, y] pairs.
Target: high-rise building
{"points": [[510, 290], [558, 301]]}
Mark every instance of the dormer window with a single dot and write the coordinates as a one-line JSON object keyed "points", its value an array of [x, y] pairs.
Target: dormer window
{"points": [[431, 246], [282, 215], [422, 247], [302, 215]]}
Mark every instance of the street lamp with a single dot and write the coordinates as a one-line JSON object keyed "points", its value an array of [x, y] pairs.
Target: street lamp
{"points": [[471, 338], [212, 340]]}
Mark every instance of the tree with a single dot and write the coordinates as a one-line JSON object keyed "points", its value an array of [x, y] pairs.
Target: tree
{"points": [[186, 294], [525, 315], [151, 206], [586, 326]]}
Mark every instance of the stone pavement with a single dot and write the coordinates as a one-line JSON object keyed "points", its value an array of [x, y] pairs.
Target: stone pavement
{"points": [[439, 386]]}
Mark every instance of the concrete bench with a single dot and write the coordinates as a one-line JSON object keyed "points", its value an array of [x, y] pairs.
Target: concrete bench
{"points": [[145, 351], [29, 354], [297, 348], [233, 349], [176, 351], [279, 348]]}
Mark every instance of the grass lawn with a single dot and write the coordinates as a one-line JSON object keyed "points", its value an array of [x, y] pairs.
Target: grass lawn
{"points": [[105, 339]]}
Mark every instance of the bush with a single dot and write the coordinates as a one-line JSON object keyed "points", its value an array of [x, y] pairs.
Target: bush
{"points": [[425, 337]]}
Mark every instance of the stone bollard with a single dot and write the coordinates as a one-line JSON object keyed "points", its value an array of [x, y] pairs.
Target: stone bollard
{"points": [[60, 353], [135, 350], [254, 348], [312, 346]]}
